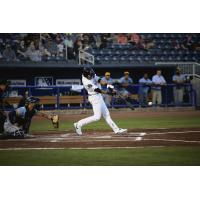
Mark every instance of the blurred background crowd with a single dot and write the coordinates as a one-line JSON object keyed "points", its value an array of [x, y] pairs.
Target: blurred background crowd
{"points": [[104, 46]]}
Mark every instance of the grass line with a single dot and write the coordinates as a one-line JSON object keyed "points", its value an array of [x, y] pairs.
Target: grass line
{"points": [[120, 157]]}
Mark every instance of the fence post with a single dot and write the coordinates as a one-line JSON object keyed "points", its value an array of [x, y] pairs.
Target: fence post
{"points": [[191, 97], [79, 57], [29, 91], [66, 52], [166, 104], [193, 70], [85, 56], [194, 98], [58, 98]]}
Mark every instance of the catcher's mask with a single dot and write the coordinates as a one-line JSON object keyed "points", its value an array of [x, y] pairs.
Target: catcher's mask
{"points": [[88, 72], [33, 100]]}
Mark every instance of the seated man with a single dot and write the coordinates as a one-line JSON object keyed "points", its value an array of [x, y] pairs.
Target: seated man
{"points": [[19, 120]]}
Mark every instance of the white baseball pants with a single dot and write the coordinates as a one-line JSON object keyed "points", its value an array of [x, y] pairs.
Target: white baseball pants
{"points": [[99, 109]]}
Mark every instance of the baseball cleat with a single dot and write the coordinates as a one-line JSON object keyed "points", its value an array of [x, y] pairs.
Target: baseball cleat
{"points": [[77, 129], [121, 131]]}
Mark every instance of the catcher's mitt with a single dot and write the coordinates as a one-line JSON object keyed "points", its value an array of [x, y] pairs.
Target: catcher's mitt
{"points": [[55, 121]]}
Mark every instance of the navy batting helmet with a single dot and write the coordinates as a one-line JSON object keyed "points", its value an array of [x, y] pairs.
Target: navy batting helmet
{"points": [[88, 72]]}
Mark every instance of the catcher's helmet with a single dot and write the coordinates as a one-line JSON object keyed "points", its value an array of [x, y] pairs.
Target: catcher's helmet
{"points": [[88, 72], [32, 99]]}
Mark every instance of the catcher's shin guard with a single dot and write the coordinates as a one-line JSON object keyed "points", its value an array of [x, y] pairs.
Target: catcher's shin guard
{"points": [[18, 133], [12, 130]]}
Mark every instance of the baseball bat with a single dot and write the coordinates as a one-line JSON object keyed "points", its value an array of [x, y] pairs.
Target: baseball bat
{"points": [[129, 105]]}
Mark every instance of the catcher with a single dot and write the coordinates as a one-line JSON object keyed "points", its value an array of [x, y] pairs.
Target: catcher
{"points": [[18, 121]]}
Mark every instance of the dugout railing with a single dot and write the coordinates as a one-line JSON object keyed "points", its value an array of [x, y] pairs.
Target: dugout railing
{"points": [[57, 97]]}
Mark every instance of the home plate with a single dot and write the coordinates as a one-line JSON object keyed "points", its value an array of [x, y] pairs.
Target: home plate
{"points": [[138, 138], [65, 135], [138, 134], [55, 140], [104, 137]]}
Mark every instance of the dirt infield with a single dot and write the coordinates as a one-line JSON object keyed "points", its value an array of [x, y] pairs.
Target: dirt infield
{"points": [[134, 138], [104, 139], [118, 114]]}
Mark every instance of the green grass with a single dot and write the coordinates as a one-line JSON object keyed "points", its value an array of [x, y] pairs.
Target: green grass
{"points": [[139, 156], [130, 123], [120, 157]]}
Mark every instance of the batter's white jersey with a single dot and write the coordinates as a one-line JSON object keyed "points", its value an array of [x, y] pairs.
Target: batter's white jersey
{"points": [[98, 104], [91, 85]]}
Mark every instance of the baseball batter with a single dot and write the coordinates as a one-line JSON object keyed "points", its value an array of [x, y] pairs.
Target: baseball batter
{"points": [[91, 83]]}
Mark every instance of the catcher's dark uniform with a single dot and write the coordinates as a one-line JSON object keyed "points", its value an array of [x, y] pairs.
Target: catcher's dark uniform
{"points": [[22, 117], [2, 114]]}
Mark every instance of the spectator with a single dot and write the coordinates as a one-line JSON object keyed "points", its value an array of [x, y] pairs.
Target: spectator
{"points": [[78, 45], [139, 42], [60, 50], [21, 50], [114, 38], [178, 80], [51, 47], [44, 38], [58, 38], [68, 42], [105, 38], [135, 38], [32, 53], [144, 87], [44, 52], [122, 39], [98, 40], [9, 54], [106, 80], [125, 81], [86, 41], [188, 43], [92, 41], [158, 81]]}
